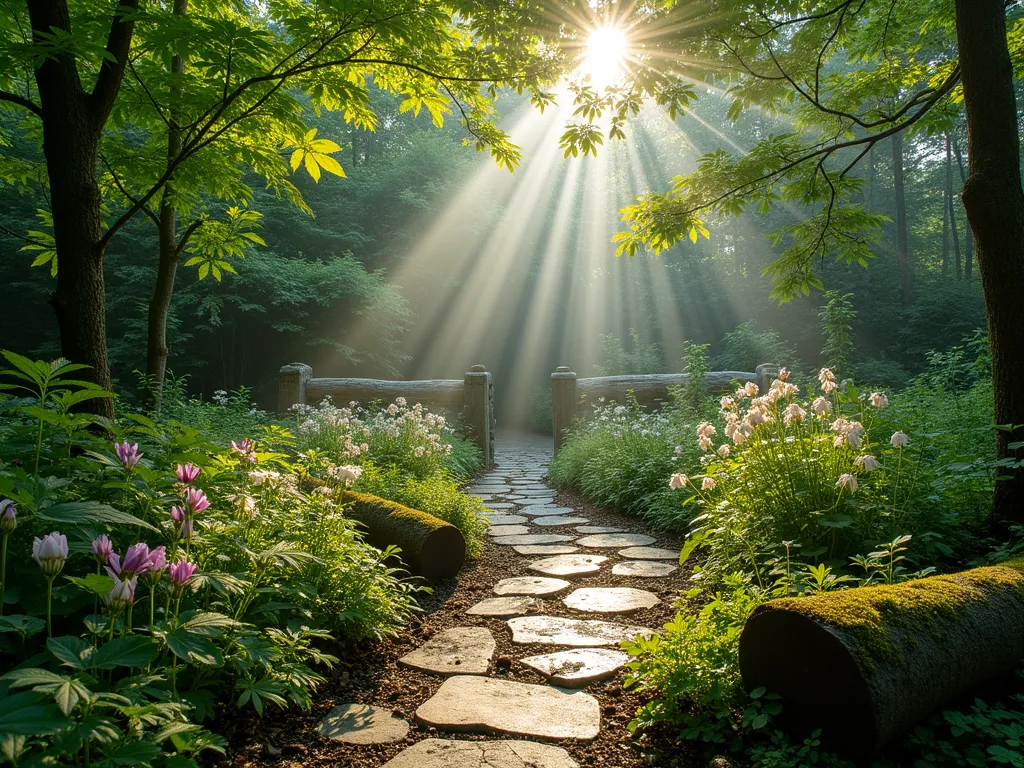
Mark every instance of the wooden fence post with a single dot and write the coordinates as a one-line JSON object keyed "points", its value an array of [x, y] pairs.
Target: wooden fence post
{"points": [[766, 374], [477, 410], [563, 402], [291, 386]]}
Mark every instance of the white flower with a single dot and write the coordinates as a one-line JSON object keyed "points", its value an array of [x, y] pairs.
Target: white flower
{"points": [[825, 374], [50, 552], [854, 434], [678, 481], [750, 389], [707, 484], [346, 474], [727, 403], [867, 463], [723, 450], [793, 413], [821, 406], [705, 429], [899, 439], [847, 481], [829, 386], [705, 443], [879, 399]]}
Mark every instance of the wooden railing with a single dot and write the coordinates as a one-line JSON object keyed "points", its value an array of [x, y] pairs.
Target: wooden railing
{"points": [[569, 394], [471, 397]]}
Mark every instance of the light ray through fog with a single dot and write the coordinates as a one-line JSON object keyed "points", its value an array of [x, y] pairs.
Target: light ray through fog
{"points": [[518, 272]]}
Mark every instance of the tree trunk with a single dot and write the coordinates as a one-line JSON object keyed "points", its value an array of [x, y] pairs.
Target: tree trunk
{"points": [[951, 211], [869, 186], [968, 234], [160, 304], [994, 201], [902, 245], [946, 208]]}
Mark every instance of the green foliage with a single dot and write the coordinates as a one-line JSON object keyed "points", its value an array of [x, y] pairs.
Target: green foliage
{"points": [[836, 319], [746, 348], [131, 663], [542, 415], [695, 364], [642, 357], [692, 667], [782, 753]]}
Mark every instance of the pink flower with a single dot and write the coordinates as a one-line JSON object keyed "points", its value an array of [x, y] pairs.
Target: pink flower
{"points": [[128, 454], [196, 500], [245, 450], [784, 374], [186, 528], [879, 399], [178, 514], [123, 593], [137, 560], [847, 481], [8, 517], [899, 439], [822, 406], [158, 559], [187, 473], [180, 573], [102, 548], [794, 413], [678, 481], [723, 450], [50, 552], [708, 484], [867, 463]]}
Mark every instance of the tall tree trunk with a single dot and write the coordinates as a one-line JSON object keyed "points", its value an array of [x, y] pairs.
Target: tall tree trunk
{"points": [[902, 245], [167, 268], [73, 122], [869, 186], [968, 233], [951, 210], [994, 201], [946, 208]]}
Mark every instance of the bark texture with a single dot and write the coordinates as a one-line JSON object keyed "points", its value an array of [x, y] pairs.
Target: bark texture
{"points": [[895, 652], [899, 197], [994, 201], [430, 546]]}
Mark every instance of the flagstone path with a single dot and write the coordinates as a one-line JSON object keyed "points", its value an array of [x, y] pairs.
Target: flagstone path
{"points": [[526, 645]]}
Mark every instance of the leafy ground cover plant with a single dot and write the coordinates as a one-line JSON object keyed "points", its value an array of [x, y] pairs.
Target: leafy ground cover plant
{"points": [[150, 578]]}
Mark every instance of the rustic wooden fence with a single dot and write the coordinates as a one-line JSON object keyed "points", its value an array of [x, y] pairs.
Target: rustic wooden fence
{"points": [[471, 397], [570, 394]]}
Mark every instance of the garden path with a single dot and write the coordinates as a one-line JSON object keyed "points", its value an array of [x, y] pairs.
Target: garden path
{"points": [[527, 656]]}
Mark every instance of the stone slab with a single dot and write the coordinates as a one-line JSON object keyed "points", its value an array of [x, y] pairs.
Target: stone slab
{"points": [[516, 605], [544, 510], [567, 566], [445, 753], [649, 553], [610, 600], [578, 667], [503, 518], [609, 540], [648, 569], [459, 650], [558, 520], [597, 529], [363, 724], [508, 530], [585, 633], [530, 585], [489, 705], [546, 549], [532, 538], [499, 505]]}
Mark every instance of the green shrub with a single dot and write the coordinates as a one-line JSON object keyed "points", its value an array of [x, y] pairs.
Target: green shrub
{"points": [[221, 419], [643, 357], [542, 416], [746, 348]]}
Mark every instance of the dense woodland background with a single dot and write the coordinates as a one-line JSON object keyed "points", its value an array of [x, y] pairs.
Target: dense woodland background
{"points": [[353, 289]]}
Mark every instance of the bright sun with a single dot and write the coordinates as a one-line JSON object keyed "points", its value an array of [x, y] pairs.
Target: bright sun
{"points": [[605, 56]]}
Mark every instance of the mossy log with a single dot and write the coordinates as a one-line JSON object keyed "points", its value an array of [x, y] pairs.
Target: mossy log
{"points": [[865, 664], [430, 546]]}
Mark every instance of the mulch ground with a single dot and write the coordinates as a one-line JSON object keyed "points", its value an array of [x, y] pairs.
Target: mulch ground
{"points": [[371, 674]]}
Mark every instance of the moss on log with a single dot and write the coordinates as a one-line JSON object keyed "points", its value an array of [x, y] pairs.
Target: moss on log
{"points": [[865, 664], [430, 546]]}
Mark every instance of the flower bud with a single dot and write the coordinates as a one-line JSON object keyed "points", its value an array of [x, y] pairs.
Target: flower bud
{"points": [[8, 517], [50, 552]]}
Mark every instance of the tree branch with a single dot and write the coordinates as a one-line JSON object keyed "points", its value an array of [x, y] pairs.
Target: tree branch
{"points": [[21, 101], [108, 82], [187, 235]]}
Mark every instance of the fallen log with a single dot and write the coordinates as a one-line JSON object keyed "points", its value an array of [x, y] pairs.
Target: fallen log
{"points": [[865, 664], [430, 546]]}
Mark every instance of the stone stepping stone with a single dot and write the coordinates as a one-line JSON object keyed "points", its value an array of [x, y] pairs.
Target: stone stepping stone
{"points": [[643, 568], [490, 488], [503, 518], [579, 667], [444, 753], [568, 566], [532, 538], [499, 505], [363, 724], [597, 529], [517, 605], [602, 540], [546, 549], [489, 705], [508, 530], [545, 511], [649, 553], [459, 650], [536, 491], [554, 630], [530, 585], [610, 600], [558, 520]]}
